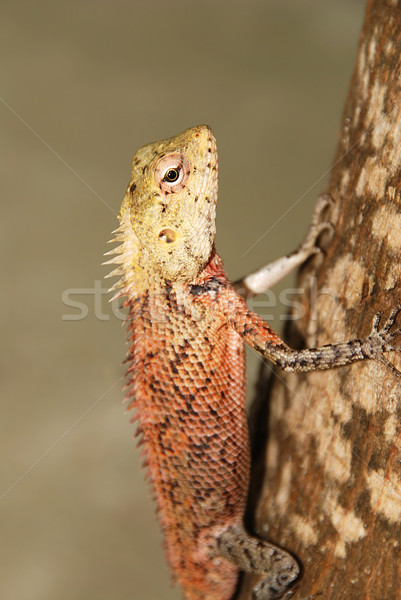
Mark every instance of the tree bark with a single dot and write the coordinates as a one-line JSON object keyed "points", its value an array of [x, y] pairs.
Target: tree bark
{"points": [[331, 491]]}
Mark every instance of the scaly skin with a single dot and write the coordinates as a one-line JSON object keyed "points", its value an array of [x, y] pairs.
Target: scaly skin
{"points": [[187, 326]]}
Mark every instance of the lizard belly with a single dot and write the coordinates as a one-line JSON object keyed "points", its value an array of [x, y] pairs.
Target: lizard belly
{"points": [[188, 389]]}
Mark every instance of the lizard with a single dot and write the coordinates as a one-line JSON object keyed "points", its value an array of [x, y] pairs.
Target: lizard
{"points": [[187, 325]]}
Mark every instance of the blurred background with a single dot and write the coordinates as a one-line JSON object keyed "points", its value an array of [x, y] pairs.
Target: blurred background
{"points": [[83, 85]]}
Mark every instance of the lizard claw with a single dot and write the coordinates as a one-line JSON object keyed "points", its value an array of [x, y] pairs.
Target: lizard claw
{"points": [[323, 202], [317, 225], [381, 339], [375, 323], [390, 322], [384, 333]]}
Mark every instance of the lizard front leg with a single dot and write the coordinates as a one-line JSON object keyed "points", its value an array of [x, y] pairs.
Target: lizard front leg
{"points": [[265, 278], [260, 336], [257, 333], [344, 353], [251, 554]]}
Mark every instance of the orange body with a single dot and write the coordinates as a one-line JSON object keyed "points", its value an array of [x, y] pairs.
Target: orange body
{"points": [[187, 376]]}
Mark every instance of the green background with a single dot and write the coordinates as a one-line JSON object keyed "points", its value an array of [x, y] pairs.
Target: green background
{"points": [[83, 85]]}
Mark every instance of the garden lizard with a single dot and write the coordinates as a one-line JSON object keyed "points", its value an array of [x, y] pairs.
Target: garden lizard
{"points": [[186, 376]]}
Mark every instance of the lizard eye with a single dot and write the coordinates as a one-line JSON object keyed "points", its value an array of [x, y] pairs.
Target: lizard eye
{"points": [[172, 175], [172, 172]]}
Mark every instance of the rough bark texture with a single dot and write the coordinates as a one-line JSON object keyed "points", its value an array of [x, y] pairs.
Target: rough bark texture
{"points": [[332, 489]]}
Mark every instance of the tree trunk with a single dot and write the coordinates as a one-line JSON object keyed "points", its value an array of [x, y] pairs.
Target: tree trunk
{"points": [[331, 492]]}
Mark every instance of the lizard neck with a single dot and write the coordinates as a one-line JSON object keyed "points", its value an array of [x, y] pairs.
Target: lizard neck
{"points": [[214, 269]]}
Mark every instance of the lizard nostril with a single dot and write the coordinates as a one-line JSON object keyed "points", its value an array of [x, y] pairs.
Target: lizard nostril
{"points": [[167, 235]]}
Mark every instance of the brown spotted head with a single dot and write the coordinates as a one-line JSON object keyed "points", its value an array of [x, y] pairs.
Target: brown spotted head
{"points": [[170, 204]]}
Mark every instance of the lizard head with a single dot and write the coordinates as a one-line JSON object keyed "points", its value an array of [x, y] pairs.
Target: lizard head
{"points": [[170, 204]]}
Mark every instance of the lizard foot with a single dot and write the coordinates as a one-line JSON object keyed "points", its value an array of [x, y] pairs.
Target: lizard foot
{"points": [[317, 225], [381, 340], [254, 555]]}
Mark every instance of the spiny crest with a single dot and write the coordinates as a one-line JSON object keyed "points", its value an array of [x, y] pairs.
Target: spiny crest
{"points": [[123, 255]]}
